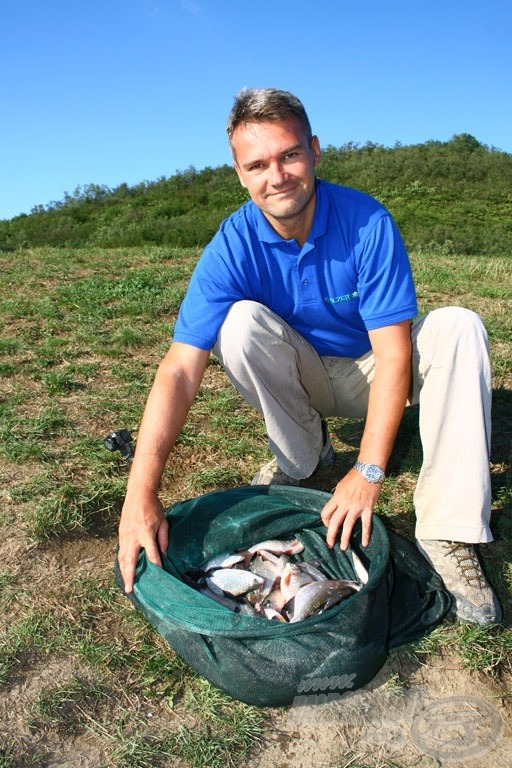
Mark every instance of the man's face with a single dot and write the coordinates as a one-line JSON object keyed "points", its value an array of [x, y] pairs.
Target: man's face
{"points": [[277, 166]]}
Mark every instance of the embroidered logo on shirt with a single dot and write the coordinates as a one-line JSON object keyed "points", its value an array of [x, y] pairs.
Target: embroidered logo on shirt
{"points": [[338, 299]]}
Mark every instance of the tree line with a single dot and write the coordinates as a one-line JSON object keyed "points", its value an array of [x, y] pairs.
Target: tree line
{"points": [[454, 194]]}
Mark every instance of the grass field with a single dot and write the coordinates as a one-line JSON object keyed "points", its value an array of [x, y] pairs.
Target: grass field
{"points": [[81, 672]]}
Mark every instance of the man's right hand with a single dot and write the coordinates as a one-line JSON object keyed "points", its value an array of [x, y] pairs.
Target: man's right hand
{"points": [[142, 525]]}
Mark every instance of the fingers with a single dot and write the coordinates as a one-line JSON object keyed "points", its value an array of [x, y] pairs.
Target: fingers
{"points": [[127, 564], [346, 520], [348, 527], [163, 535], [337, 520], [353, 499], [128, 555], [142, 526], [328, 511], [153, 553], [346, 532], [128, 560], [366, 521], [342, 512]]}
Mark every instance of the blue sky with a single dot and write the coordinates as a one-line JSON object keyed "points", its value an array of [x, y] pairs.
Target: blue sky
{"points": [[112, 91]]}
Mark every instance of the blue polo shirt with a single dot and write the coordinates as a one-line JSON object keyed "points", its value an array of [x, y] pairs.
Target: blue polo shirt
{"points": [[352, 274]]}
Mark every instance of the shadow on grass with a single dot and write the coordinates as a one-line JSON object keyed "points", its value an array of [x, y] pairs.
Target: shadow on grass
{"points": [[407, 457], [407, 451]]}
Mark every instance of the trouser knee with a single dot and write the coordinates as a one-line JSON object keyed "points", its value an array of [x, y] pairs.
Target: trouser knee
{"points": [[238, 328], [449, 336], [458, 322], [250, 332]]}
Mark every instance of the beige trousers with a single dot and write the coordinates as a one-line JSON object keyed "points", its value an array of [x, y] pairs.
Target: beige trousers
{"points": [[278, 371]]}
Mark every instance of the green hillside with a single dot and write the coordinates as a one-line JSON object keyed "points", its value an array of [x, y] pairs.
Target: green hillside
{"points": [[456, 194]]}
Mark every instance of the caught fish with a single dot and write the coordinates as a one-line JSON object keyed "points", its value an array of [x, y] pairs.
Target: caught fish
{"points": [[234, 605], [310, 567], [278, 561], [224, 560], [270, 574], [270, 613], [233, 581], [269, 569], [278, 546], [266, 581], [318, 596], [275, 600], [360, 570], [293, 578]]}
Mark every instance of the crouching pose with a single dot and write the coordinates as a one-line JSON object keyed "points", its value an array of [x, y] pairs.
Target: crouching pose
{"points": [[306, 296]]}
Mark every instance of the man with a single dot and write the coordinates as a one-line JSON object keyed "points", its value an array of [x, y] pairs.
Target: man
{"points": [[306, 296]]}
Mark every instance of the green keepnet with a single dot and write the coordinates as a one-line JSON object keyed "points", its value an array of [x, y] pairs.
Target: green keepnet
{"points": [[270, 663]]}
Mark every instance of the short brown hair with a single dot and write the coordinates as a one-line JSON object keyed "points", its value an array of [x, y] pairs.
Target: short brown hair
{"points": [[254, 105]]}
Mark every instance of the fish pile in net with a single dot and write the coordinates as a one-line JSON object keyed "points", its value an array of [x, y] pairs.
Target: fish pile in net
{"points": [[267, 580]]}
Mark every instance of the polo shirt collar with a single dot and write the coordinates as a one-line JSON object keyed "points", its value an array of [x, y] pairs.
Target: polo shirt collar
{"points": [[267, 234]]}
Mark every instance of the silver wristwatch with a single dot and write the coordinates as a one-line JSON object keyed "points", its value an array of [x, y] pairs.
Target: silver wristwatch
{"points": [[370, 472]]}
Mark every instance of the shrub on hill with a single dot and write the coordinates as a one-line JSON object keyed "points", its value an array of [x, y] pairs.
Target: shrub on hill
{"points": [[455, 194]]}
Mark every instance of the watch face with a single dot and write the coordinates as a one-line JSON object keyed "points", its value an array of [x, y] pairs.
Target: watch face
{"points": [[373, 473]]}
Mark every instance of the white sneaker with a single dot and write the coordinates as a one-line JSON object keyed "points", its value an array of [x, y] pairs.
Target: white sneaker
{"points": [[459, 568], [272, 474]]}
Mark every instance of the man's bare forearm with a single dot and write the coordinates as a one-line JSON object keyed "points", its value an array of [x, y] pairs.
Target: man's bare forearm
{"points": [[167, 407], [143, 523], [164, 416], [388, 396], [354, 497]]}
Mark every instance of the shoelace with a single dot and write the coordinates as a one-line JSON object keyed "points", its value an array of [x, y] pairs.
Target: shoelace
{"points": [[467, 563]]}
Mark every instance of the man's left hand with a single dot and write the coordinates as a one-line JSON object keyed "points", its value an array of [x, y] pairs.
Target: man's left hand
{"points": [[353, 498]]}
